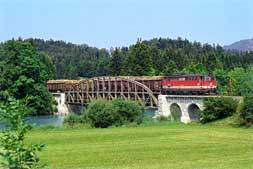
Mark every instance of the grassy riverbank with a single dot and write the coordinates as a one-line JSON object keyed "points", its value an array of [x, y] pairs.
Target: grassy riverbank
{"points": [[147, 147]]}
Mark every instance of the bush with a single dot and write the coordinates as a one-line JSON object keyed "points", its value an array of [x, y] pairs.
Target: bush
{"points": [[128, 111], [217, 108], [247, 111], [15, 153], [163, 118], [71, 119], [102, 113]]}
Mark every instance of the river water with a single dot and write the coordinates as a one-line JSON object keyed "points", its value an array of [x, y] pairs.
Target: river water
{"points": [[57, 120]]}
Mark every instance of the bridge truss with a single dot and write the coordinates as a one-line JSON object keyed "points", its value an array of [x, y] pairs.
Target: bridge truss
{"points": [[110, 88]]}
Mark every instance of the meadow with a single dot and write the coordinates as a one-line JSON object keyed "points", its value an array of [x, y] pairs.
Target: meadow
{"points": [[168, 145]]}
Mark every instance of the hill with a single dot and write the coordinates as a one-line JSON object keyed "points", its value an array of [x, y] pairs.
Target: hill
{"points": [[71, 60], [158, 56], [242, 45]]}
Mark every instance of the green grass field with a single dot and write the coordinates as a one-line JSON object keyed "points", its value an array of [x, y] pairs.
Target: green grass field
{"points": [[168, 146]]}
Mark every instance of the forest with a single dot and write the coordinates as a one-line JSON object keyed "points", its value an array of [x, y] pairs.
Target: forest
{"points": [[158, 56]]}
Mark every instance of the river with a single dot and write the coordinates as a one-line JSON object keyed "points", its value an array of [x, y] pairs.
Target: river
{"points": [[57, 120]]}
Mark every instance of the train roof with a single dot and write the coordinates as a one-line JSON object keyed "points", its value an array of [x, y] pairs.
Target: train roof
{"points": [[137, 78], [185, 75], [62, 81]]}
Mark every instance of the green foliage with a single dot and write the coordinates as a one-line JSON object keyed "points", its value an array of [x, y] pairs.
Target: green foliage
{"points": [[194, 68], [241, 81], [102, 113], [15, 153], [139, 60], [72, 119], [158, 56], [128, 111], [223, 81], [48, 66], [73, 61], [217, 108], [116, 63], [247, 111], [237, 81], [23, 74], [162, 118]]}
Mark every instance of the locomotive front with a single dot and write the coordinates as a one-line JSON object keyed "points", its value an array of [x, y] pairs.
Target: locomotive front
{"points": [[194, 84]]}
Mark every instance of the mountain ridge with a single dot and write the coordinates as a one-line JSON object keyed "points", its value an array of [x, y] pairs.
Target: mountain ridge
{"points": [[242, 45]]}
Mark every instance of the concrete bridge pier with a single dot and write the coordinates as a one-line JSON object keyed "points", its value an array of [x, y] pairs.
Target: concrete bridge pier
{"points": [[186, 105]]}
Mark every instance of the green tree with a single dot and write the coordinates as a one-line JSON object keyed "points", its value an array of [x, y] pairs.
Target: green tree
{"points": [[169, 68], [241, 81], [139, 60], [23, 74], [222, 78], [48, 66], [194, 68], [116, 63]]}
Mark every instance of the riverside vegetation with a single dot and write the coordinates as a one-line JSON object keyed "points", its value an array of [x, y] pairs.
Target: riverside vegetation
{"points": [[103, 114]]}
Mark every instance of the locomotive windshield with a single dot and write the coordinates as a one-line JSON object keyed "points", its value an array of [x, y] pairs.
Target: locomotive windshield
{"points": [[207, 77]]}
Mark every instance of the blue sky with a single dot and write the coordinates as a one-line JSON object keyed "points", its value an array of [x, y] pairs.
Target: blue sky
{"points": [[111, 23]]}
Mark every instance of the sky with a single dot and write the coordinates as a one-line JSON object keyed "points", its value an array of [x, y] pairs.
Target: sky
{"points": [[117, 23]]}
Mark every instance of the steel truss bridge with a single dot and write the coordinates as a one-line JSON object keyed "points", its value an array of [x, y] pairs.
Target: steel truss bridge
{"points": [[110, 88]]}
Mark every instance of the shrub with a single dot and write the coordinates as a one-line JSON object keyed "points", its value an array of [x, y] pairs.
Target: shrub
{"points": [[102, 113], [163, 118], [71, 119], [247, 111], [128, 111], [217, 108], [15, 153]]}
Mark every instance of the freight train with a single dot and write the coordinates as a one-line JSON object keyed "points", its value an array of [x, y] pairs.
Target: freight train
{"points": [[186, 84]]}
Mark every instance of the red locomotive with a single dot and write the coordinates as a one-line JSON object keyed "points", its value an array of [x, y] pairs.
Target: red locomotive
{"points": [[189, 84]]}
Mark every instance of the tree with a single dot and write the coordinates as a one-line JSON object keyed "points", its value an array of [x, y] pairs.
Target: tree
{"points": [[169, 68], [23, 74], [116, 63], [72, 61], [139, 59], [212, 62], [223, 81], [194, 68], [48, 66], [241, 81]]}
